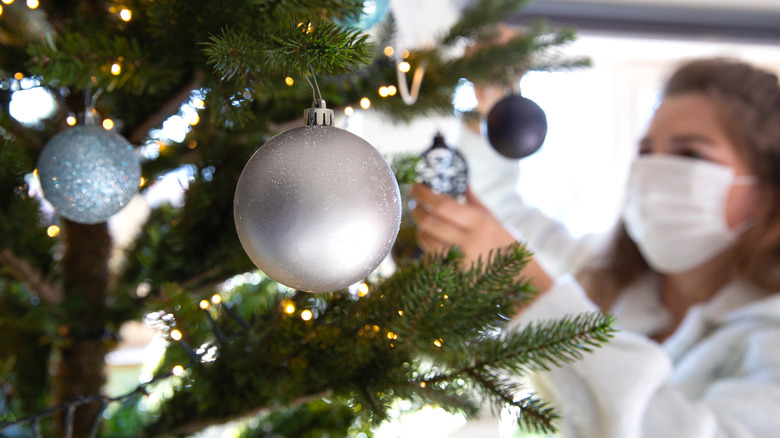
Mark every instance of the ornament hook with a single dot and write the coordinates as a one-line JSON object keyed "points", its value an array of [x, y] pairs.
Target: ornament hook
{"points": [[410, 97], [90, 113]]}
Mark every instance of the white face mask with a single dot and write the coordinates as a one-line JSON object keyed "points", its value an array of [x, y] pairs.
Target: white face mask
{"points": [[676, 210]]}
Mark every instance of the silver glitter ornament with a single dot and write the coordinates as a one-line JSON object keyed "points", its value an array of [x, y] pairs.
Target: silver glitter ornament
{"points": [[88, 173], [317, 208]]}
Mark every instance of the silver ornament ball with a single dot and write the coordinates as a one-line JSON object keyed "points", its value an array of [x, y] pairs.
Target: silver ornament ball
{"points": [[317, 208], [88, 173]]}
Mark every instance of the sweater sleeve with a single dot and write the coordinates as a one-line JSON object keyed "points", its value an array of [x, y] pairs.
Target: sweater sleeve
{"points": [[625, 388]]}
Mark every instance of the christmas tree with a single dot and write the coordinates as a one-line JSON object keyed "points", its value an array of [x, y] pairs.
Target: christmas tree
{"points": [[241, 345]]}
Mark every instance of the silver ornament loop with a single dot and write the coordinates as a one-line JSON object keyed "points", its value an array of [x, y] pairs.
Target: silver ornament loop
{"points": [[318, 114]]}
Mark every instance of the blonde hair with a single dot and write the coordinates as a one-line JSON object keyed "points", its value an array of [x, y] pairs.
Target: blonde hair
{"points": [[749, 102]]}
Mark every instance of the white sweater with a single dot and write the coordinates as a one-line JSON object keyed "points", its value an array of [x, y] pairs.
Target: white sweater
{"points": [[717, 376]]}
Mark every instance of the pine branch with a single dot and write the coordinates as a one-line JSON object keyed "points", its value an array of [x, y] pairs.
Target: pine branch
{"points": [[536, 347], [476, 20], [530, 413], [49, 293], [167, 109], [299, 47]]}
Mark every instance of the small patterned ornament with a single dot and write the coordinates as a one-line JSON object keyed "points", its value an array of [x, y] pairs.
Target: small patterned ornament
{"points": [[317, 208], [443, 169], [88, 173], [516, 126]]}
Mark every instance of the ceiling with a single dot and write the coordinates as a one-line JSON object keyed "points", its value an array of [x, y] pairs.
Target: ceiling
{"points": [[755, 21]]}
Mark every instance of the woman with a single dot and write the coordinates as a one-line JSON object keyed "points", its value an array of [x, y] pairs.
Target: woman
{"points": [[691, 275]]}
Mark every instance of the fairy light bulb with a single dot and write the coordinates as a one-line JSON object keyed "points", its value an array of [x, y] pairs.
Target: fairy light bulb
{"points": [[349, 111], [53, 231], [176, 335], [389, 51], [216, 299], [71, 120], [116, 69], [204, 304], [177, 371], [306, 315], [125, 14], [365, 103], [108, 124], [289, 81], [404, 66]]}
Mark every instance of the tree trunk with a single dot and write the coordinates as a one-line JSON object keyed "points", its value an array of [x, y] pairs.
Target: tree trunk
{"points": [[82, 354]]}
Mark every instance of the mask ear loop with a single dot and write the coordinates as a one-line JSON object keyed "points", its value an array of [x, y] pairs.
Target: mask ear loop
{"points": [[749, 222]]}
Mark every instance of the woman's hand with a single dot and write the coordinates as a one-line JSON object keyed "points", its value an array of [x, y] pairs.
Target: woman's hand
{"points": [[443, 222]]}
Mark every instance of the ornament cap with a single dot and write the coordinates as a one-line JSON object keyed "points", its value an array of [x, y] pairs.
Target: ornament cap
{"points": [[318, 114]]}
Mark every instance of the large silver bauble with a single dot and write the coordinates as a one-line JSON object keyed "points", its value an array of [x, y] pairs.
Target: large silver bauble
{"points": [[88, 173], [317, 208]]}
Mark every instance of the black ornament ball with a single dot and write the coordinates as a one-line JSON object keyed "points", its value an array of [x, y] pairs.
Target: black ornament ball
{"points": [[516, 126]]}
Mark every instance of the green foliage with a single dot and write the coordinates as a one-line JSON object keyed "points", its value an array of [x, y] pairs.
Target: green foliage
{"points": [[304, 47], [316, 419], [428, 333]]}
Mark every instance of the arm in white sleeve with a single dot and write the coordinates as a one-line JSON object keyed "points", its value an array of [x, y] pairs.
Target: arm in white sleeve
{"points": [[626, 388]]}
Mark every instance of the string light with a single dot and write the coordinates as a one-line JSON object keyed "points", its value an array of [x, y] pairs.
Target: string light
{"points": [[349, 111], [19, 76], [362, 290], [126, 14], [289, 307], [195, 120], [389, 51], [383, 91], [306, 315], [204, 304], [438, 343], [365, 103], [391, 335], [391, 90], [116, 69], [289, 81], [400, 313], [177, 371], [71, 120], [216, 299], [422, 384], [8, 2], [176, 335], [108, 124], [192, 144], [198, 103], [404, 67], [375, 329], [1, 10], [405, 54], [33, 4], [53, 230]]}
